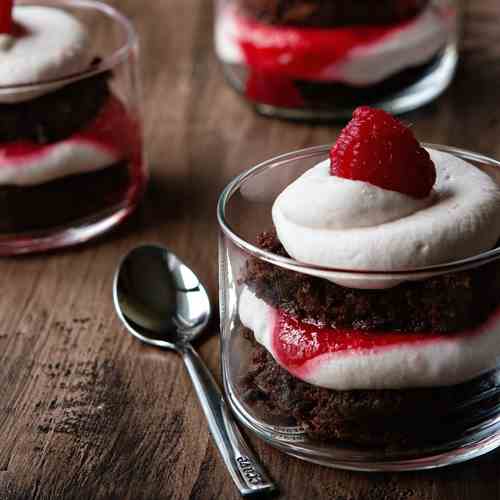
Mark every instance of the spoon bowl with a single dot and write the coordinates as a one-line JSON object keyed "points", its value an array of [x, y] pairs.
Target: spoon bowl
{"points": [[159, 299]]}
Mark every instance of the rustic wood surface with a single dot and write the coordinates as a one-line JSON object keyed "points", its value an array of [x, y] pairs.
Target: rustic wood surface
{"points": [[85, 411]]}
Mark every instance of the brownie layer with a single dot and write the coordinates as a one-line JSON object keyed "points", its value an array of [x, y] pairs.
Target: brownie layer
{"points": [[59, 202], [57, 115], [453, 302], [375, 418], [324, 95], [332, 13]]}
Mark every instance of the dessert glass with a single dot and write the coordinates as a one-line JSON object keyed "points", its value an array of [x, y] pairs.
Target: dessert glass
{"points": [[422, 428], [81, 202], [290, 61]]}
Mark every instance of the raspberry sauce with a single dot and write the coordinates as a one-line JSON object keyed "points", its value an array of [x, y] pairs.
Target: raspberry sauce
{"points": [[296, 342], [6, 23], [303, 53], [279, 55]]}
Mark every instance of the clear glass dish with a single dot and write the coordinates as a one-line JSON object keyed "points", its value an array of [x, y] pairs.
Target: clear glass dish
{"points": [[309, 61], [426, 428], [79, 169]]}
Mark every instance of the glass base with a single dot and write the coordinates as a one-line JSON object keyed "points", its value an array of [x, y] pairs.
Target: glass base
{"points": [[475, 441], [424, 91], [65, 236]]}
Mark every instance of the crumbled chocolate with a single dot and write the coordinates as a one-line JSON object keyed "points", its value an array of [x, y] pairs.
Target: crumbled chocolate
{"points": [[331, 13], [447, 303], [57, 115], [374, 418]]}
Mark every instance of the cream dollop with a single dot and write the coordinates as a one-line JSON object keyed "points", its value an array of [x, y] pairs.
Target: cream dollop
{"points": [[324, 201], [52, 44], [61, 159], [354, 225]]}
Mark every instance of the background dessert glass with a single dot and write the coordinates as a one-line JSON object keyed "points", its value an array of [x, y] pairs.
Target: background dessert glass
{"points": [[426, 428], [306, 60], [41, 212]]}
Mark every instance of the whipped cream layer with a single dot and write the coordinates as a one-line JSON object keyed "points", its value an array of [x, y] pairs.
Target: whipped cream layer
{"points": [[48, 44], [368, 362], [358, 60], [108, 139], [338, 223], [412, 46]]}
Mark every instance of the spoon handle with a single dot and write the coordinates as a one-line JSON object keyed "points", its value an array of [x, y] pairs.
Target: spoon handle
{"points": [[248, 475]]}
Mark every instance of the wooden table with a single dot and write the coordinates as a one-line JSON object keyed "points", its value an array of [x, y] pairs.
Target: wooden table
{"points": [[85, 411]]}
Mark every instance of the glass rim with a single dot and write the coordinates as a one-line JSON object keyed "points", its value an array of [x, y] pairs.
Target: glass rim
{"points": [[116, 57], [295, 265]]}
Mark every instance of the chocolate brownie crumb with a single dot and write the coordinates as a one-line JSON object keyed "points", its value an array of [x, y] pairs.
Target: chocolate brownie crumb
{"points": [[57, 115], [332, 13], [374, 418], [447, 303]]}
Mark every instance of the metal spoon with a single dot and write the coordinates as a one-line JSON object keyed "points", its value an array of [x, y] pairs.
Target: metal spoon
{"points": [[162, 303]]}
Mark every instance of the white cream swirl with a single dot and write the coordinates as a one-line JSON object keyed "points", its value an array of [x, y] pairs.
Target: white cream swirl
{"points": [[343, 224], [323, 201], [52, 44], [76, 155]]}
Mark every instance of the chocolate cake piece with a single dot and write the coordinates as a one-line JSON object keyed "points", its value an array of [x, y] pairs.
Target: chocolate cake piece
{"points": [[374, 418], [332, 13], [65, 200], [447, 303], [57, 115]]}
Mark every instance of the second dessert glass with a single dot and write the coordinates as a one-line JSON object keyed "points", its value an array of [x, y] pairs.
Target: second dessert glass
{"points": [[372, 430], [82, 169], [316, 60]]}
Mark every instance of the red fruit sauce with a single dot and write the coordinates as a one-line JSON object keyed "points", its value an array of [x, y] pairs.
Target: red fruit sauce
{"points": [[283, 54], [297, 342], [6, 23]]}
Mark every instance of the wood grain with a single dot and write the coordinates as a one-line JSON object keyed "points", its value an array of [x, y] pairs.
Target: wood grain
{"points": [[88, 413]]}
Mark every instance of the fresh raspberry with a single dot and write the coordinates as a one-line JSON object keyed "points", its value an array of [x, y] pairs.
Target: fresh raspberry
{"points": [[376, 148], [6, 16]]}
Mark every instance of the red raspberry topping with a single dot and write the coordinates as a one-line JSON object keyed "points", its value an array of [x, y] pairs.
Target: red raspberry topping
{"points": [[6, 16], [273, 89], [377, 148]]}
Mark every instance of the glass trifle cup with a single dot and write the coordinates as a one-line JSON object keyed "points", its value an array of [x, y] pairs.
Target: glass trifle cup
{"points": [[72, 164], [364, 370], [317, 60]]}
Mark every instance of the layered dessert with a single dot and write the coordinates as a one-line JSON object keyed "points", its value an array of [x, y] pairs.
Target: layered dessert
{"points": [[69, 147], [377, 361], [319, 54]]}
